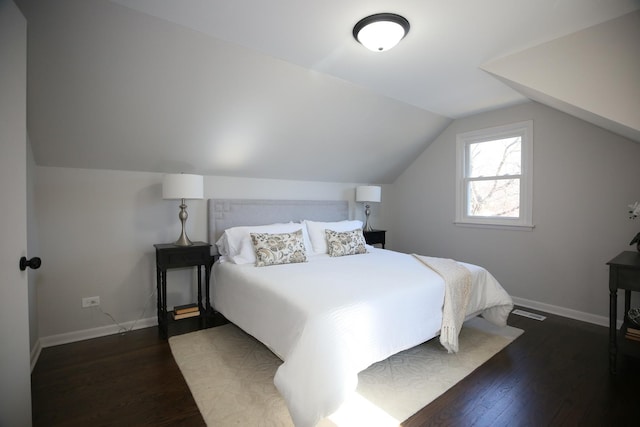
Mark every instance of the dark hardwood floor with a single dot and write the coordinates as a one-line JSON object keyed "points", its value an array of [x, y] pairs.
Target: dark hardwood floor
{"points": [[119, 380], [555, 374]]}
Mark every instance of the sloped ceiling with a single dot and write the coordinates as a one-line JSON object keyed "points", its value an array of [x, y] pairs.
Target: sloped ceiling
{"points": [[601, 82], [273, 89]]}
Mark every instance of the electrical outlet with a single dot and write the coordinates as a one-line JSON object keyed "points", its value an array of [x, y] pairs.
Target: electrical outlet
{"points": [[90, 302]]}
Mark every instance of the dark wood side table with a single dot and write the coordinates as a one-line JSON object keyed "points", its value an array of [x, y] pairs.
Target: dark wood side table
{"points": [[170, 256], [375, 237], [624, 273]]}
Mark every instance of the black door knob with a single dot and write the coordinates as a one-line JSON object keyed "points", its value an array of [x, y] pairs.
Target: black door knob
{"points": [[34, 263]]}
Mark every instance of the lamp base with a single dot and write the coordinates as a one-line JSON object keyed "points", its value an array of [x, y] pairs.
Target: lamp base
{"points": [[183, 240], [367, 212]]}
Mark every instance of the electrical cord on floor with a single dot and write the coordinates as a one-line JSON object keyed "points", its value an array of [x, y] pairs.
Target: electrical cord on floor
{"points": [[121, 329]]}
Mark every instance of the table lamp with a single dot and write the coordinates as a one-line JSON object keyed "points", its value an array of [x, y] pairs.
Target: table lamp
{"points": [[367, 194], [181, 187]]}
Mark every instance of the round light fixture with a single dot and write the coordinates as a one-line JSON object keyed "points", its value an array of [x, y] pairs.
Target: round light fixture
{"points": [[381, 31]]}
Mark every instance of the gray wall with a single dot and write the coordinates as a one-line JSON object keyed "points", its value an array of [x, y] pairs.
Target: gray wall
{"points": [[584, 178], [96, 232]]}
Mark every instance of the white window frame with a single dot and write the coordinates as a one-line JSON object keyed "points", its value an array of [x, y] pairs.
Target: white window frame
{"points": [[524, 221]]}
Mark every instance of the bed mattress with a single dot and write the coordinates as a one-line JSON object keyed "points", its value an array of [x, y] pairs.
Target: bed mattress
{"points": [[330, 318]]}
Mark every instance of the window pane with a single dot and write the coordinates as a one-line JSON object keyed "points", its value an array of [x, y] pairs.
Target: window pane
{"points": [[499, 197], [495, 158]]}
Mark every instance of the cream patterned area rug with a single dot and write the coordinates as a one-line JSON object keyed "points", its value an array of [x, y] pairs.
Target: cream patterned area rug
{"points": [[230, 375]]}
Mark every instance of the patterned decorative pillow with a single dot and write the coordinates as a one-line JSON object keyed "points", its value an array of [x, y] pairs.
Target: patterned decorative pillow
{"points": [[284, 248], [318, 237], [345, 242]]}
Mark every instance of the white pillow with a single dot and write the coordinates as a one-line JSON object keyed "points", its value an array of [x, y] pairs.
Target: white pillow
{"points": [[317, 234], [237, 245], [221, 244]]}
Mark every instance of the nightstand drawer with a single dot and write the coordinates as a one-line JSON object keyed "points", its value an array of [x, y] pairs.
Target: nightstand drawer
{"points": [[170, 256], [375, 237], [628, 279], [183, 259]]}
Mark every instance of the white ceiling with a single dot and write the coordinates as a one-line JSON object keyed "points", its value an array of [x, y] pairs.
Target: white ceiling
{"points": [[276, 89], [436, 67]]}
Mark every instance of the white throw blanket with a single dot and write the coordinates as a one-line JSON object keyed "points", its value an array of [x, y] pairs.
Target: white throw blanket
{"points": [[457, 291]]}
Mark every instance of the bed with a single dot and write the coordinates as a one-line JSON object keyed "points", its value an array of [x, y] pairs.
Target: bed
{"points": [[329, 317]]}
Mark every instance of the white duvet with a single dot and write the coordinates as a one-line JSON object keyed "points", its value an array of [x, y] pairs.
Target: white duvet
{"points": [[330, 318]]}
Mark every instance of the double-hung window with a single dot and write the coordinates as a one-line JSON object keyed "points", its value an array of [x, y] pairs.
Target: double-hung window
{"points": [[494, 176]]}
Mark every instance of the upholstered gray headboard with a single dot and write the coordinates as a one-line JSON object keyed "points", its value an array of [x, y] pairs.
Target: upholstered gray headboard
{"points": [[226, 213]]}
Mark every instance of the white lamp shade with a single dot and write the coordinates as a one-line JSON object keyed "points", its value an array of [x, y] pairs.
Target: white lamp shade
{"points": [[182, 186], [368, 193], [380, 36]]}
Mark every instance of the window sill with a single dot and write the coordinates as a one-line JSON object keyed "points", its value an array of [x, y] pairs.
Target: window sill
{"points": [[495, 226]]}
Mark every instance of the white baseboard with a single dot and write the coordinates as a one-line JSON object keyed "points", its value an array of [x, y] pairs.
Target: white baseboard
{"points": [[95, 332], [35, 354], [564, 312]]}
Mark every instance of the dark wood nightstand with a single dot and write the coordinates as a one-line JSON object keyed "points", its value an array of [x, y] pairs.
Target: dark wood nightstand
{"points": [[170, 256], [375, 237], [624, 273]]}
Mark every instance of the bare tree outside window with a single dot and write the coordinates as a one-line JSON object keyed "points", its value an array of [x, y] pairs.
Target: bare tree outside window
{"points": [[493, 185], [494, 170]]}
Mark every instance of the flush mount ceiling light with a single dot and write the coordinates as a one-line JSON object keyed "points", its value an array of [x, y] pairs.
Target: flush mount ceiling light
{"points": [[381, 31]]}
